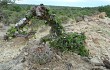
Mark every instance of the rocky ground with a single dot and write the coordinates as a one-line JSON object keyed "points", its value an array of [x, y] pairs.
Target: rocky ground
{"points": [[18, 54]]}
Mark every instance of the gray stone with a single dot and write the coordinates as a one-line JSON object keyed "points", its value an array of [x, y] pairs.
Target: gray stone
{"points": [[40, 54]]}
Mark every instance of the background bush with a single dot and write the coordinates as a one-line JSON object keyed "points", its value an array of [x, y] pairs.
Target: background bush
{"points": [[14, 12], [105, 9]]}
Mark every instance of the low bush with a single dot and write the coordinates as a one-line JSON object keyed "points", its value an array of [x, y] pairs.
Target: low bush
{"points": [[71, 42], [11, 33]]}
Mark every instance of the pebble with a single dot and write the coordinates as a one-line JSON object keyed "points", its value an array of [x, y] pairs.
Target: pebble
{"points": [[25, 53]]}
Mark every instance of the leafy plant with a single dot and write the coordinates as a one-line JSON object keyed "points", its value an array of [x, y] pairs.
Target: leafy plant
{"points": [[11, 32], [71, 42]]}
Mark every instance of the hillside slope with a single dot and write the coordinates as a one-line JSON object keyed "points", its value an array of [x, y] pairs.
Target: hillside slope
{"points": [[97, 32]]}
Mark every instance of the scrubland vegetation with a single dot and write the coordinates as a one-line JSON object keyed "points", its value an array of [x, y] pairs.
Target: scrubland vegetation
{"points": [[12, 13]]}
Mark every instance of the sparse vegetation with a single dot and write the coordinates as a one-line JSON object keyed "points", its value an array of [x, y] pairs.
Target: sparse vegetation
{"points": [[12, 31], [65, 42], [13, 12]]}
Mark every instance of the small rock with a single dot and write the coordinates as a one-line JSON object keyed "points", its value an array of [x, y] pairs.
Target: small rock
{"points": [[95, 60], [99, 31], [58, 68], [25, 53], [58, 57], [18, 67], [86, 59], [23, 60], [1, 25], [96, 68], [106, 63], [69, 66]]}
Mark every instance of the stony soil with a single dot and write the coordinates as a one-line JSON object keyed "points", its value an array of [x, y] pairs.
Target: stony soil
{"points": [[14, 54]]}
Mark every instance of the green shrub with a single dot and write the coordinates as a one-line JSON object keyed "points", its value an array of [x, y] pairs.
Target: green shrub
{"points": [[71, 42], [11, 32]]}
